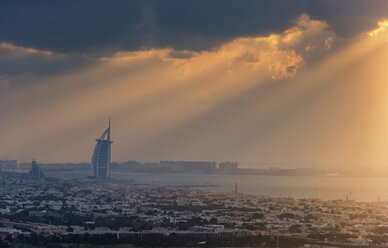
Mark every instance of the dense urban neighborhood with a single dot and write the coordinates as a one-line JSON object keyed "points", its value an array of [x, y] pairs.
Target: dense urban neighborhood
{"points": [[54, 210]]}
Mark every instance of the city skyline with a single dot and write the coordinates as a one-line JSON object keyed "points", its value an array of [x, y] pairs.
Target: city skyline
{"points": [[236, 123]]}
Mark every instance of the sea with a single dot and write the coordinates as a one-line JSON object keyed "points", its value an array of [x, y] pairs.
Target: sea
{"points": [[362, 189]]}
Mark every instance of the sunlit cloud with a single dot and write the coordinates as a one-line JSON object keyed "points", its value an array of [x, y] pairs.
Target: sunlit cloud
{"points": [[150, 93], [382, 27], [19, 50], [20, 61], [278, 54], [329, 43]]}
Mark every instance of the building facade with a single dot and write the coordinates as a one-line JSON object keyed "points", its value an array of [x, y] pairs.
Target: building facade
{"points": [[102, 155]]}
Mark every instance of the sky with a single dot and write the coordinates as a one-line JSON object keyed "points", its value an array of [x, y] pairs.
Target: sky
{"points": [[285, 83]]}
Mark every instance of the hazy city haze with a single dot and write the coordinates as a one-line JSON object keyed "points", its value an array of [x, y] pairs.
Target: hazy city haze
{"points": [[182, 123]]}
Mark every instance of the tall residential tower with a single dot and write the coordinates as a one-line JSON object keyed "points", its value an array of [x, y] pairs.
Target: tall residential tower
{"points": [[101, 155], [36, 172]]}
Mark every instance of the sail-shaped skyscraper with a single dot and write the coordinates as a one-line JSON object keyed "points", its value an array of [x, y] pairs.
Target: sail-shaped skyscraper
{"points": [[101, 155]]}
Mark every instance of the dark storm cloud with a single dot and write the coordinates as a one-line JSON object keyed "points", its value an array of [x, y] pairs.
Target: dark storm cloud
{"points": [[99, 27], [39, 64]]}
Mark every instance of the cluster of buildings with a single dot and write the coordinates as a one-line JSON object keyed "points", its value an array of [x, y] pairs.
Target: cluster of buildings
{"points": [[102, 166], [8, 165], [119, 207], [31, 204], [176, 166]]}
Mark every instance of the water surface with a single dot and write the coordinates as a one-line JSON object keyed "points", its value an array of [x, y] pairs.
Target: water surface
{"points": [[358, 188]]}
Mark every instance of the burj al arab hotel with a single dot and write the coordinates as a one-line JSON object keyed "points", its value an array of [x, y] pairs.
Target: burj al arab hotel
{"points": [[101, 155]]}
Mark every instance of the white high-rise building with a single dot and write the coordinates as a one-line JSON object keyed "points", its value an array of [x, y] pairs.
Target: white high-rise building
{"points": [[101, 155]]}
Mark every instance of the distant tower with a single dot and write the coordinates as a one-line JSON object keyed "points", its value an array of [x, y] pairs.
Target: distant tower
{"points": [[36, 172], [235, 188], [101, 155]]}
